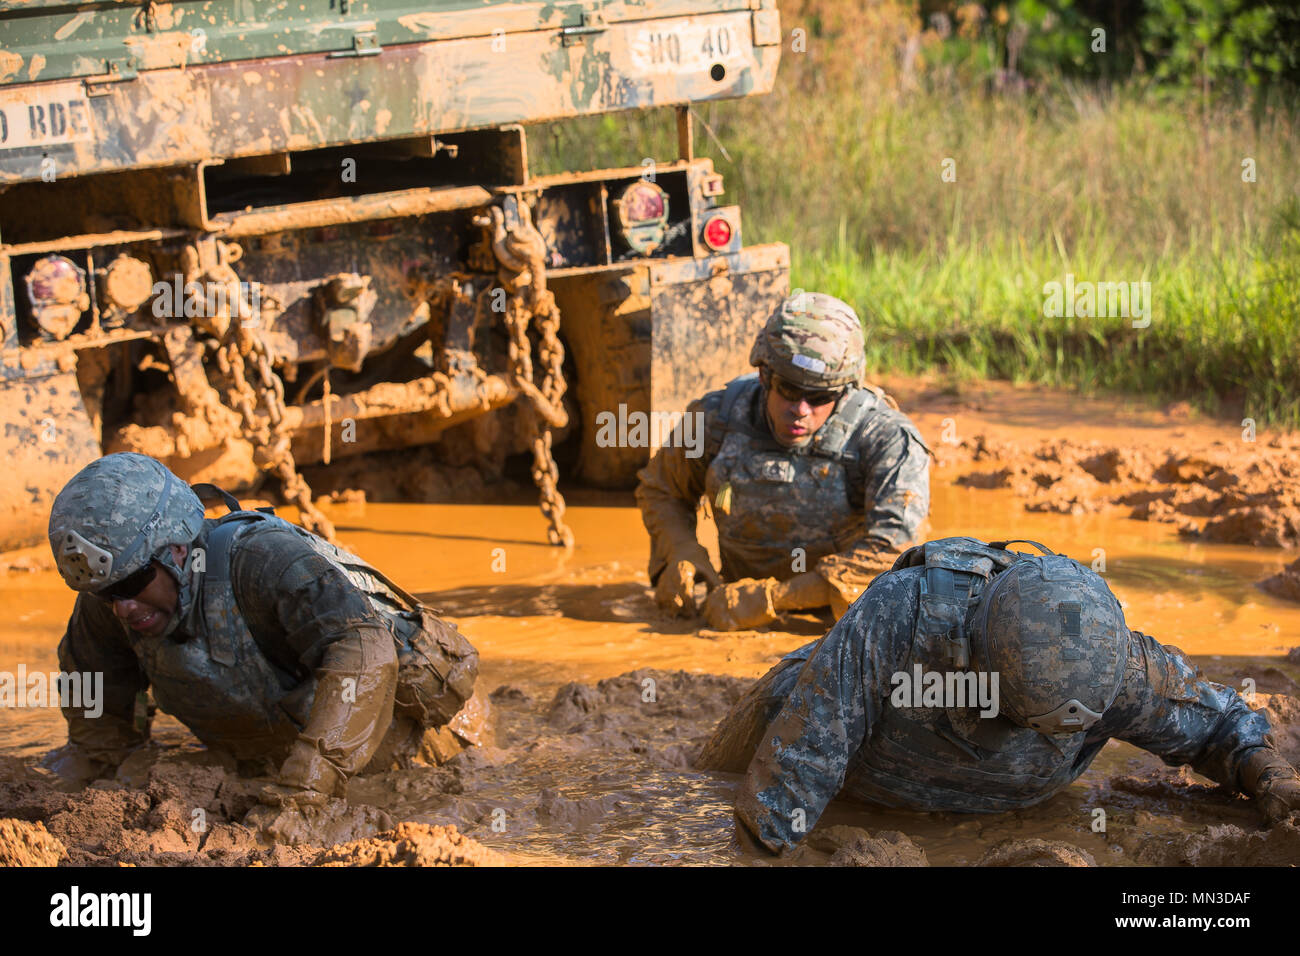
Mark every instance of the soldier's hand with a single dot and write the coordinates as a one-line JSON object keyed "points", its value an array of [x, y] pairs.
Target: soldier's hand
{"points": [[286, 814], [74, 766], [1273, 783], [675, 592], [291, 798], [746, 841], [742, 605]]}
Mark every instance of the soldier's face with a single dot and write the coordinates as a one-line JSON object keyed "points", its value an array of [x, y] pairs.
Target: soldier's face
{"points": [[149, 611], [794, 416]]}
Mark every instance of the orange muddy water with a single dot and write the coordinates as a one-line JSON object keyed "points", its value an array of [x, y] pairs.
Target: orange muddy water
{"points": [[601, 704]]}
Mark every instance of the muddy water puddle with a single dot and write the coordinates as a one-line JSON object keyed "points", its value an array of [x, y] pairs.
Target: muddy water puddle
{"points": [[592, 767]]}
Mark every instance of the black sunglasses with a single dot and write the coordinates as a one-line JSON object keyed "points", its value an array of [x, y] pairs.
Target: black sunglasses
{"points": [[131, 585], [793, 393]]}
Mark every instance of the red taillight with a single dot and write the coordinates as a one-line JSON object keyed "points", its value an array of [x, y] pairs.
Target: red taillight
{"points": [[717, 233]]}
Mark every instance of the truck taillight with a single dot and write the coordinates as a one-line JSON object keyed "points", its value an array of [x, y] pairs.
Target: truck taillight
{"points": [[56, 288], [642, 210], [643, 202], [717, 232]]}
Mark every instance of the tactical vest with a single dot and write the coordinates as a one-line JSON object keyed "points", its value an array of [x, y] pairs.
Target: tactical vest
{"points": [[936, 758], [776, 498], [219, 683]]}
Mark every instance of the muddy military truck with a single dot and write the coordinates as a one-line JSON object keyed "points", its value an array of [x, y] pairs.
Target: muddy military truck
{"points": [[246, 236]]}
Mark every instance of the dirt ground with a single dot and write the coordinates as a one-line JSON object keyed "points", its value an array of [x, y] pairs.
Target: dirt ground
{"points": [[601, 705]]}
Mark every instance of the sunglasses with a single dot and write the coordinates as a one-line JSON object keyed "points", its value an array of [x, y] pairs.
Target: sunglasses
{"points": [[131, 585], [793, 393]]}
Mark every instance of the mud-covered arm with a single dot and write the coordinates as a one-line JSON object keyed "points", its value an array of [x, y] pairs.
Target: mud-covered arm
{"points": [[669, 488], [96, 646], [1168, 707], [895, 469], [803, 756], [310, 618]]}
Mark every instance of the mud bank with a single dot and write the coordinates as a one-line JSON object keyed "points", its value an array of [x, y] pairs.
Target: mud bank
{"points": [[1216, 493], [1214, 482], [180, 807]]}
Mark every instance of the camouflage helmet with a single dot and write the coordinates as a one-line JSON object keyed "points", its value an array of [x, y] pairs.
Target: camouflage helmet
{"points": [[1055, 635], [813, 340], [116, 515]]}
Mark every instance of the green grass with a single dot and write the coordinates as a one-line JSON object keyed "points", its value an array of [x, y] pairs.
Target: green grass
{"points": [[843, 161], [1224, 331]]}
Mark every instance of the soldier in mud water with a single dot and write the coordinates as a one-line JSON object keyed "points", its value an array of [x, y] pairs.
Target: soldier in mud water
{"points": [[816, 482], [971, 678], [267, 642]]}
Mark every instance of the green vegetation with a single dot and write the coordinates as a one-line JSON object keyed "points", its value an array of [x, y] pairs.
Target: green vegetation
{"points": [[1127, 181]]}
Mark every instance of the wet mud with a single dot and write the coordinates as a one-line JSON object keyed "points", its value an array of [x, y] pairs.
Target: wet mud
{"points": [[602, 705], [1214, 482], [1204, 492]]}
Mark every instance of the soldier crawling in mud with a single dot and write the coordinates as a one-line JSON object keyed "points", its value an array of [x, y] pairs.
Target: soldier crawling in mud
{"points": [[264, 640], [816, 482], [828, 720]]}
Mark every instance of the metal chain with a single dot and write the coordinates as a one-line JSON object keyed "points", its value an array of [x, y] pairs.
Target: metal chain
{"points": [[546, 474], [268, 435], [240, 343], [520, 254]]}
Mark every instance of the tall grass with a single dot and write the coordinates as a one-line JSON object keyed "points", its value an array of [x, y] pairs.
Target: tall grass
{"points": [[844, 161]]}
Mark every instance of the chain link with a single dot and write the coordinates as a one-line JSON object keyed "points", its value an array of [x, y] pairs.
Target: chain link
{"points": [[269, 437], [537, 422], [240, 347], [521, 255]]}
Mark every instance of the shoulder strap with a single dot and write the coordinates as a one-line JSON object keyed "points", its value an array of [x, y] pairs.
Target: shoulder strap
{"points": [[222, 538], [1003, 544], [883, 395], [834, 439], [216, 585], [736, 389], [206, 489]]}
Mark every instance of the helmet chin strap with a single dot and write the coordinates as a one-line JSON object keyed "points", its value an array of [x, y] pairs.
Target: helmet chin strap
{"points": [[185, 590]]}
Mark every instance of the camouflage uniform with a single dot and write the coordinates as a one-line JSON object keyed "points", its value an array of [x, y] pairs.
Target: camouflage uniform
{"points": [[852, 497], [282, 649], [821, 724]]}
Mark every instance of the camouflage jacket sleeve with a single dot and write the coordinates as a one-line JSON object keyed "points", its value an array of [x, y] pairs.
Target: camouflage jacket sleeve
{"points": [[96, 643], [670, 487], [310, 619], [895, 470], [1168, 707], [802, 759]]}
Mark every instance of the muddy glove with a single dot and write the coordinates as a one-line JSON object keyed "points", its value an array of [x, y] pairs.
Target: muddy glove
{"points": [[291, 798], [285, 813], [675, 592], [1272, 782], [742, 605]]}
